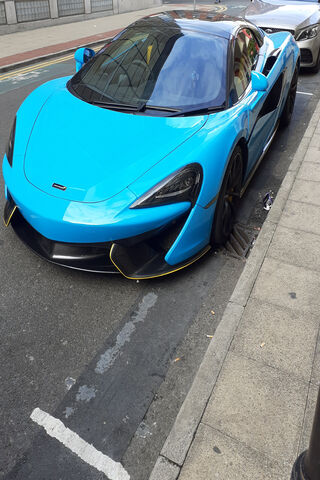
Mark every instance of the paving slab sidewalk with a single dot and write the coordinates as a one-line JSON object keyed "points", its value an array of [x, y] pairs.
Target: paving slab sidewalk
{"points": [[249, 411]]}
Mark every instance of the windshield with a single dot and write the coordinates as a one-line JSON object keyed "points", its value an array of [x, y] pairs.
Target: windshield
{"points": [[168, 68]]}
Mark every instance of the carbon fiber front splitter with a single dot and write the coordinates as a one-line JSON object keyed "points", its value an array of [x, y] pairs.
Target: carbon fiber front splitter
{"points": [[143, 261], [89, 257], [136, 258]]}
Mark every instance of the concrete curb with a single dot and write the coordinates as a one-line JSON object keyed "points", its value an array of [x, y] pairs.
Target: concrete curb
{"points": [[31, 61], [178, 442]]}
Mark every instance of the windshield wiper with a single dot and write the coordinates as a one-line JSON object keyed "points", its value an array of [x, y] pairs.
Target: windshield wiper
{"points": [[141, 107], [199, 111], [115, 106], [144, 107]]}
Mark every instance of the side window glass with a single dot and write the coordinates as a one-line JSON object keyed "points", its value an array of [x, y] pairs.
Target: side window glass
{"points": [[252, 47], [242, 64]]}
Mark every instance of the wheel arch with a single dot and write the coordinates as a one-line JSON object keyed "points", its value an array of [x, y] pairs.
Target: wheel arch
{"points": [[242, 143]]}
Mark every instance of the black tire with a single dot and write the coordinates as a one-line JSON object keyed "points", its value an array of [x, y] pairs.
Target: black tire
{"points": [[228, 199], [286, 114], [316, 68]]}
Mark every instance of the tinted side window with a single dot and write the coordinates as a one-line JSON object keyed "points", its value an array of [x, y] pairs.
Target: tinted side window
{"points": [[252, 47], [242, 64], [246, 53]]}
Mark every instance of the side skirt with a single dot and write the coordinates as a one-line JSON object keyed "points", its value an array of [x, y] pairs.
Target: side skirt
{"points": [[264, 151]]}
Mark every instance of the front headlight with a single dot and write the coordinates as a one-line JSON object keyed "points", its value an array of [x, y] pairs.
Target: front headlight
{"points": [[181, 186], [10, 144], [308, 33]]}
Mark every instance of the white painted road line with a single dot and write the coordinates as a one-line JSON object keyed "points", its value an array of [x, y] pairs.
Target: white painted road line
{"points": [[56, 429], [108, 358], [305, 93]]}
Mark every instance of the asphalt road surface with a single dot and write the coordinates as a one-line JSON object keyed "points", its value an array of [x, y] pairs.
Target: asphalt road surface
{"points": [[111, 358]]}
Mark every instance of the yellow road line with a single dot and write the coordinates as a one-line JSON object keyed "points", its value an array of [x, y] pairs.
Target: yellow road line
{"points": [[37, 66], [34, 67]]}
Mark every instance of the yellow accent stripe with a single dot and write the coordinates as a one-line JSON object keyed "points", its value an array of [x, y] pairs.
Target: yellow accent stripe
{"points": [[149, 53], [211, 201], [9, 219], [162, 274]]}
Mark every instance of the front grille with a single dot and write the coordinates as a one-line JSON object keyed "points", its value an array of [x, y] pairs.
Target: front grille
{"points": [[275, 30], [306, 55]]}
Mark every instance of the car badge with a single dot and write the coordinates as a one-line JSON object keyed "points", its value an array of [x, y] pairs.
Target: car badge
{"points": [[59, 187], [268, 30]]}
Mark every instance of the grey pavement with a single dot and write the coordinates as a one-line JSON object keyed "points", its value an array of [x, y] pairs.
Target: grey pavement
{"points": [[249, 411]]}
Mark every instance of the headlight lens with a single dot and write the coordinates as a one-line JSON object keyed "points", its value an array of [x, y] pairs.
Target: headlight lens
{"points": [[10, 144], [181, 186], [308, 33]]}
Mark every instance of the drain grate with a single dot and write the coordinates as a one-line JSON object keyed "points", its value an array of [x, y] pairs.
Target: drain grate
{"points": [[241, 240]]}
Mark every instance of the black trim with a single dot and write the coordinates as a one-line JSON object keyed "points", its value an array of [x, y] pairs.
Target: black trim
{"points": [[306, 55], [59, 187], [8, 211], [271, 60], [273, 97], [143, 262], [10, 144], [95, 257], [91, 257]]}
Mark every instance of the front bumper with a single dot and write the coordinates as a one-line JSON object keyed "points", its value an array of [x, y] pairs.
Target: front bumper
{"points": [[140, 257], [71, 228], [309, 50], [90, 257]]}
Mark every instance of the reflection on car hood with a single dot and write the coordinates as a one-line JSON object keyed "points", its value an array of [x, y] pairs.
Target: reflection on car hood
{"points": [[96, 152], [289, 17]]}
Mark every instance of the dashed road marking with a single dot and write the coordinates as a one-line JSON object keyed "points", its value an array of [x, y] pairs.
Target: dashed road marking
{"points": [[88, 453]]}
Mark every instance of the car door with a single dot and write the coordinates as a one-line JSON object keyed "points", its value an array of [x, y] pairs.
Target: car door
{"points": [[261, 105]]}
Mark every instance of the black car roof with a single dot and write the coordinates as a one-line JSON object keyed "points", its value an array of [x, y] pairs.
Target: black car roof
{"points": [[198, 20]]}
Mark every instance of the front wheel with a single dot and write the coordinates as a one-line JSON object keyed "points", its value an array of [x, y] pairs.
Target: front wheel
{"points": [[228, 199], [286, 114]]}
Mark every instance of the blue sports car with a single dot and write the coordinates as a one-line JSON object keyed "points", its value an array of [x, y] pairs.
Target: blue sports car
{"points": [[137, 162]]}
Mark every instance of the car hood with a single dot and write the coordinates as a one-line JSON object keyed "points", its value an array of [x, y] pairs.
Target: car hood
{"points": [[94, 152], [292, 17]]}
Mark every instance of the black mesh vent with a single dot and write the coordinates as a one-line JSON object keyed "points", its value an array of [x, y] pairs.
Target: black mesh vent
{"points": [[306, 55]]}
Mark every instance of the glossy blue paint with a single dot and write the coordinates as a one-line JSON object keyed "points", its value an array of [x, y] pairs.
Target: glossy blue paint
{"points": [[108, 159], [194, 236], [259, 82], [89, 152], [78, 222]]}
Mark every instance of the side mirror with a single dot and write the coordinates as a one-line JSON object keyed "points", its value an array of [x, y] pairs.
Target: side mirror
{"points": [[259, 81], [82, 56]]}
